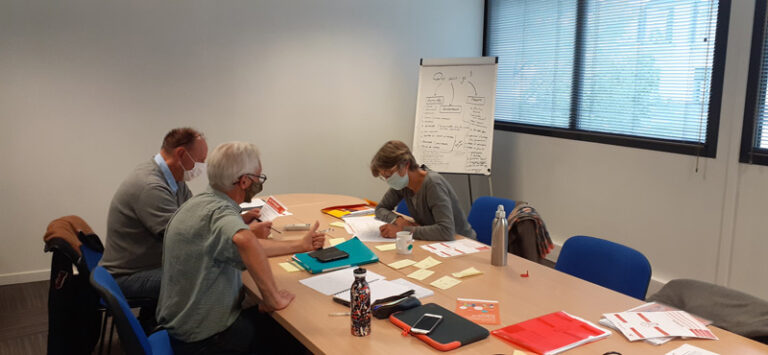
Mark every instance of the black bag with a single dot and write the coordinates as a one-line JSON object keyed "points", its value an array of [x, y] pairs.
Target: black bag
{"points": [[73, 306]]}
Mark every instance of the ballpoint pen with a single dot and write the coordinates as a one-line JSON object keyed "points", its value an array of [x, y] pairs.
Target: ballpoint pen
{"points": [[270, 227], [338, 314]]}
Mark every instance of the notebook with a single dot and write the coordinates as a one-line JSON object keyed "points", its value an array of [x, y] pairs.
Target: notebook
{"points": [[380, 289]]}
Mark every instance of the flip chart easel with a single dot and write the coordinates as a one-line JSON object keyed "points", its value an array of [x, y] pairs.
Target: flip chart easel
{"points": [[453, 130]]}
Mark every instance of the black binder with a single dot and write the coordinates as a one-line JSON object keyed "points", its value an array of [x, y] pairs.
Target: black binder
{"points": [[452, 332]]}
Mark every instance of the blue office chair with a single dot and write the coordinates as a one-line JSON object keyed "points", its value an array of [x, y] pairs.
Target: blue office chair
{"points": [[608, 264], [402, 208], [90, 256], [483, 212], [132, 338]]}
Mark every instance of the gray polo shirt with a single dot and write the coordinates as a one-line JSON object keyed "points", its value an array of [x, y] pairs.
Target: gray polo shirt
{"points": [[200, 288], [138, 214], [434, 207]]}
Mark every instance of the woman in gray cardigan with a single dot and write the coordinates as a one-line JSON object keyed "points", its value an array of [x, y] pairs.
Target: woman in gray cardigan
{"points": [[430, 198]]}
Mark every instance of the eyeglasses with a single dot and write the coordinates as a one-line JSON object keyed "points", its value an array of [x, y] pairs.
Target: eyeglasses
{"points": [[388, 174], [262, 178]]}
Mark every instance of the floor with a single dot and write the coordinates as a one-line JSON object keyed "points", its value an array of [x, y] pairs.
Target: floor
{"points": [[24, 319]]}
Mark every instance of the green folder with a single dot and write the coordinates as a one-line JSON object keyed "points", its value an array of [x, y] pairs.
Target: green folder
{"points": [[359, 254]]}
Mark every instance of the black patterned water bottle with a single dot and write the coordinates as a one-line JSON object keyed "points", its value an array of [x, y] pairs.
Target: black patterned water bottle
{"points": [[360, 307]]}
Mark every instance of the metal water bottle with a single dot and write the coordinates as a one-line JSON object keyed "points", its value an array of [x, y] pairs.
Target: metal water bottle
{"points": [[360, 305], [499, 239]]}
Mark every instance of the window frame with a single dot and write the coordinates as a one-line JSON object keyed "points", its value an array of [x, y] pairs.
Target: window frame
{"points": [[750, 154], [706, 149]]}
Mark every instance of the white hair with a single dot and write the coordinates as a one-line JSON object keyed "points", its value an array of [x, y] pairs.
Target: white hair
{"points": [[229, 161]]}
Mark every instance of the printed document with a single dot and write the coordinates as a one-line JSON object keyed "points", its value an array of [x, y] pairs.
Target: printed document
{"points": [[644, 325], [456, 247], [272, 209], [366, 228]]}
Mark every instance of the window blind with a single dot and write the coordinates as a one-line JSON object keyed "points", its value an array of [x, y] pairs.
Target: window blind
{"points": [[647, 68], [761, 117], [637, 69], [754, 133], [535, 42]]}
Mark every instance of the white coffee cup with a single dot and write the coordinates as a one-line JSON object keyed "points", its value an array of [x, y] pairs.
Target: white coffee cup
{"points": [[404, 242]]}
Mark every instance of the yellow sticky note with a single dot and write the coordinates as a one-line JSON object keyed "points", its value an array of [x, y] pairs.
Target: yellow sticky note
{"points": [[421, 274], [338, 224], [288, 267], [467, 272], [334, 241], [427, 263], [445, 282], [518, 352], [402, 263], [385, 247]]}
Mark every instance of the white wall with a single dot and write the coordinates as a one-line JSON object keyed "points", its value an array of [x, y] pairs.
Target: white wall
{"points": [[709, 225], [88, 89]]}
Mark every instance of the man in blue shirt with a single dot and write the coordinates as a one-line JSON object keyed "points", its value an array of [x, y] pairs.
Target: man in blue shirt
{"points": [[142, 207]]}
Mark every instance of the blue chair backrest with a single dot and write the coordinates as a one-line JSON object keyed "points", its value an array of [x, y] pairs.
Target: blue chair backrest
{"points": [[483, 212], [402, 208], [131, 334], [91, 256], [607, 264]]}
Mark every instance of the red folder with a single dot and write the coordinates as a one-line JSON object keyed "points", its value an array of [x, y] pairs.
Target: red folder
{"points": [[552, 333]]}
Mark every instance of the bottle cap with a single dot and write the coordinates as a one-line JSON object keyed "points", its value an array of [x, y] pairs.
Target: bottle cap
{"points": [[359, 271]]}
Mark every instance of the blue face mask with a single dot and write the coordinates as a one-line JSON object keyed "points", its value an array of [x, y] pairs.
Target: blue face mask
{"points": [[398, 182]]}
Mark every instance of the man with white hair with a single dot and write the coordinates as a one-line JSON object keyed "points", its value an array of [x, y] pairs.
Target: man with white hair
{"points": [[207, 245]]}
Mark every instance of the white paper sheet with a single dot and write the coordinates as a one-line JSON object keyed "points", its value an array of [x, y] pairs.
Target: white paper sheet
{"points": [[653, 307], [272, 209], [421, 292], [337, 281], [456, 247], [255, 203], [644, 325], [688, 349], [366, 228]]}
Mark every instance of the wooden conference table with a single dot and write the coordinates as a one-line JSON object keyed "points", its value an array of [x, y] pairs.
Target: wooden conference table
{"points": [[545, 290]]}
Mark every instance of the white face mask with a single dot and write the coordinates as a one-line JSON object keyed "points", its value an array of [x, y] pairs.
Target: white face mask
{"points": [[398, 182], [196, 171]]}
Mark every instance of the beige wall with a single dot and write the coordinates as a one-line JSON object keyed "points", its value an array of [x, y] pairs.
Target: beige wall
{"points": [[88, 89]]}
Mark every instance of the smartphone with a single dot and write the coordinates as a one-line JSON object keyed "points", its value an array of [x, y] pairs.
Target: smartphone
{"points": [[426, 323], [328, 254]]}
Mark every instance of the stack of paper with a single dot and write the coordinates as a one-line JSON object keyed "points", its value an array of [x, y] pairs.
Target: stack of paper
{"points": [[654, 307], [648, 325], [456, 247]]}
